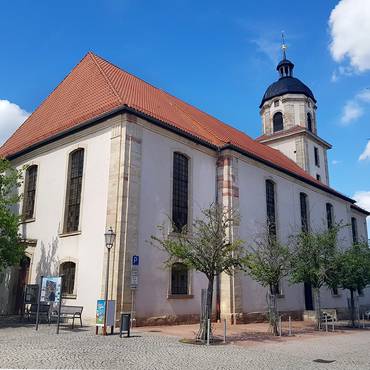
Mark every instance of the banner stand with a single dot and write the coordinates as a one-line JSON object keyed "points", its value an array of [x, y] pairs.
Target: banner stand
{"points": [[60, 305], [38, 305]]}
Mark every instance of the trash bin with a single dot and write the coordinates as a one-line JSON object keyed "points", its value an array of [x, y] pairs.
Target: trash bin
{"points": [[125, 324]]}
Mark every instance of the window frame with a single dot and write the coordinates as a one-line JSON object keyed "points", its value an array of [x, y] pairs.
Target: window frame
{"points": [[175, 198], [309, 122], [73, 294], [271, 218], [27, 192], [186, 272], [354, 229], [274, 123], [316, 156], [304, 211], [329, 215], [80, 183]]}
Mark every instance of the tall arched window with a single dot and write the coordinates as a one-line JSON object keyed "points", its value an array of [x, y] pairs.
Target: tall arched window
{"points": [[278, 121], [180, 189], [179, 279], [329, 215], [29, 192], [304, 211], [270, 207], [74, 187], [309, 122], [68, 271], [354, 230]]}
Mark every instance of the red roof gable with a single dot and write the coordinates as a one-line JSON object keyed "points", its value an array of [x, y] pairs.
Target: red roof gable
{"points": [[95, 87]]}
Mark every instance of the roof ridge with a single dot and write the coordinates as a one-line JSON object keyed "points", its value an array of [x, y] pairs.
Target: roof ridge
{"points": [[93, 57]]}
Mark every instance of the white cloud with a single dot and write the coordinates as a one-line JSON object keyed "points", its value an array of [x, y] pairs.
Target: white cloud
{"points": [[335, 162], [268, 47], [355, 107], [366, 153], [351, 111], [363, 199], [11, 116], [349, 24]]}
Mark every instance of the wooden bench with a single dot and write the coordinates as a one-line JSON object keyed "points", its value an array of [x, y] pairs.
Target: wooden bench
{"points": [[70, 312], [44, 311]]}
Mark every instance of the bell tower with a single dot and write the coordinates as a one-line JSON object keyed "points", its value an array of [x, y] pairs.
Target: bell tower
{"points": [[288, 114]]}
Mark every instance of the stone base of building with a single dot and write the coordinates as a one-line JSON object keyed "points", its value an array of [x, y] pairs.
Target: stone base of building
{"points": [[256, 317]]}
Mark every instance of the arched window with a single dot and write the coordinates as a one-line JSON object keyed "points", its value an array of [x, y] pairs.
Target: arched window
{"points": [[74, 187], [329, 215], [179, 279], [309, 122], [68, 271], [29, 192], [278, 121], [304, 211], [270, 207], [180, 189]]}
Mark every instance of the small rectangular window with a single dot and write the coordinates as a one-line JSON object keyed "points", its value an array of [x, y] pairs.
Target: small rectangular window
{"points": [[354, 230], [29, 193], [335, 291], [317, 157], [318, 177], [276, 103]]}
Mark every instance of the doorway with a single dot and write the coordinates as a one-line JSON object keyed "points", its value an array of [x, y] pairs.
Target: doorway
{"points": [[24, 270], [308, 296]]}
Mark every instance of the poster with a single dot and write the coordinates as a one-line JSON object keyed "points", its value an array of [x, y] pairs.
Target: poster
{"points": [[31, 293], [100, 309], [51, 287]]}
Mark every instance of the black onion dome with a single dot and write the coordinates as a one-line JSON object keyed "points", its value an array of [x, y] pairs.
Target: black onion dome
{"points": [[287, 85]]}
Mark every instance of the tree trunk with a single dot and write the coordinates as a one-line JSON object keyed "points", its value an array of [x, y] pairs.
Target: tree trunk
{"points": [[204, 324], [273, 311], [316, 294], [352, 308]]}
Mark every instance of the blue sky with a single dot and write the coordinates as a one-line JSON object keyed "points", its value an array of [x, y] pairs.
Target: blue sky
{"points": [[217, 55]]}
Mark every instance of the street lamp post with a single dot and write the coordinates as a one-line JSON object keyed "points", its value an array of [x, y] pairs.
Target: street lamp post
{"points": [[109, 236]]}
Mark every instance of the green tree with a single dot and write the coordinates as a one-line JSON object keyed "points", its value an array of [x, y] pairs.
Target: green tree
{"points": [[315, 261], [354, 271], [268, 262], [11, 250], [206, 247]]}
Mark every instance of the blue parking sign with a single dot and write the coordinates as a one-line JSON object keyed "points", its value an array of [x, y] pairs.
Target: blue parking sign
{"points": [[135, 260]]}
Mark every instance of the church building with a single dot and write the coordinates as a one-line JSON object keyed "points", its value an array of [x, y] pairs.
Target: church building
{"points": [[107, 149]]}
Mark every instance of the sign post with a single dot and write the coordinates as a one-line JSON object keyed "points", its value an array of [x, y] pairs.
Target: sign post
{"points": [[134, 282], [38, 305]]}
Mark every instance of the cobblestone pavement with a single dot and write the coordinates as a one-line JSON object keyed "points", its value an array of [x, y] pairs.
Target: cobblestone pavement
{"points": [[23, 347]]}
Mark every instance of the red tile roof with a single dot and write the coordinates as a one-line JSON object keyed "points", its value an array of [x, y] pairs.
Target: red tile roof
{"points": [[95, 87]]}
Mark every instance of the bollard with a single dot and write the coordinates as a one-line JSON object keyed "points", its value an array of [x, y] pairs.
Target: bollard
{"points": [[333, 325], [224, 330], [326, 323], [363, 321], [208, 330], [280, 326], [290, 326]]}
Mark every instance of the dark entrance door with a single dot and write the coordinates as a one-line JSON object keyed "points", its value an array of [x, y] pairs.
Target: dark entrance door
{"points": [[308, 296], [24, 268]]}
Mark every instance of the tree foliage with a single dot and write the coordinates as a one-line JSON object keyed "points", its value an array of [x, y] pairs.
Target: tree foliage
{"points": [[314, 260], [206, 247], [11, 250], [354, 271], [268, 262]]}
